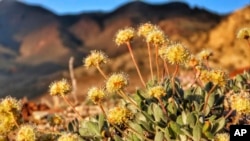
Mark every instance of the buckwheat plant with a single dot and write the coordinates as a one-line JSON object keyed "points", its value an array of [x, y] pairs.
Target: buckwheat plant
{"points": [[165, 110]]}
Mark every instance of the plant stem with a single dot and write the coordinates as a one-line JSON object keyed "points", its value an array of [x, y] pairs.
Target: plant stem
{"points": [[208, 95], [101, 72], [73, 80], [150, 61], [103, 111], [129, 99], [157, 62], [136, 132], [173, 78], [162, 106], [73, 108], [229, 113], [136, 66], [166, 67]]}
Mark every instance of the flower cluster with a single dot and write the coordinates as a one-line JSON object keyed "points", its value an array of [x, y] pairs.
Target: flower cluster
{"points": [[176, 54], [157, 91], [217, 77], [222, 137], [26, 133], [156, 37], [60, 87], [125, 35], [145, 29], [240, 102], [116, 82], [68, 137], [10, 110], [95, 59], [119, 116], [96, 95]]}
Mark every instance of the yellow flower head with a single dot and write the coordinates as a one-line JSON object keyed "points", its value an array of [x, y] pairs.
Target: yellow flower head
{"points": [[157, 91], [96, 95], [119, 116], [125, 35], [177, 54], [10, 110], [156, 37], [61, 87], [205, 54], [26, 133], [116, 82], [145, 29], [68, 137], [244, 33], [218, 77], [95, 59], [205, 75], [10, 104], [240, 102], [163, 53], [222, 137]]}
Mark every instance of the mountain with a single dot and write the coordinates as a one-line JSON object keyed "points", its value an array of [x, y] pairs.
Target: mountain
{"points": [[35, 44]]}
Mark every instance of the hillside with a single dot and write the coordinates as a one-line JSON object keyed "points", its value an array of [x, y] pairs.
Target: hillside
{"points": [[35, 44]]}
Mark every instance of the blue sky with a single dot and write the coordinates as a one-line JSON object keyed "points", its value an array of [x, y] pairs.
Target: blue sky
{"points": [[75, 6]]}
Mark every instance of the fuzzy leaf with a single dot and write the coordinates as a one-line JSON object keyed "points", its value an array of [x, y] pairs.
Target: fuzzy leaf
{"points": [[136, 127], [101, 121], [175, 127], [191, 119], [197, 132], [159, 136], [158, 113], [218, 125], [172, 108]]}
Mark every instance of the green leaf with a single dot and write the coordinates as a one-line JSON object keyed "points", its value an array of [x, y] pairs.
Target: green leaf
{"points": [[191, 119], [146, 125], [136, 127], [209, 135], [172, 108], [197, 132], [210, 103], [184, 117], [175, 127], [101, 121], [159, 136], [218, 125], [158, 113], [187, 132], [117, 138]]}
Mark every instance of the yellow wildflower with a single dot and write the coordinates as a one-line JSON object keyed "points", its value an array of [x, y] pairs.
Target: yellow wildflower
{"points": [[10, 104], [157, 91], [119, 116], [218, 77], [61, 87], [95, 59], [177, 54], [145, 29], [222, 137], [68, 137], [125, 35], [96, 95], [244, 33], [116, 82], [156, 37], [26, 133], [205, 54], [240, 102]]}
